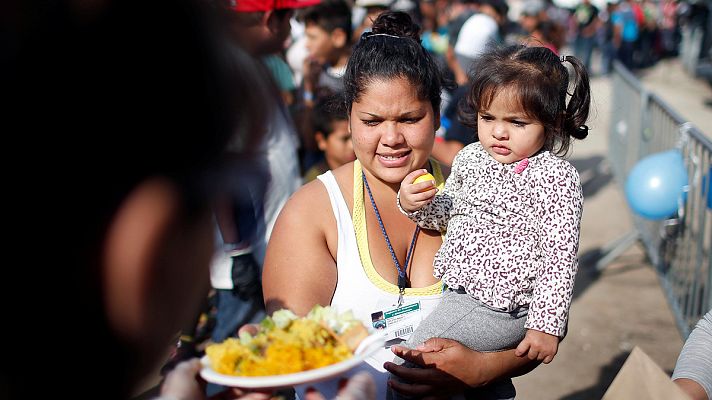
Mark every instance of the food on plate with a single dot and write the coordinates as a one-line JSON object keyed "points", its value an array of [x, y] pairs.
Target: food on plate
{"points": [[287, 344]]}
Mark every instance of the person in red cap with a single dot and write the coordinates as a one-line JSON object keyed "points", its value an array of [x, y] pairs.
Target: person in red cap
{"points": [[261, 27], [269, 5]]}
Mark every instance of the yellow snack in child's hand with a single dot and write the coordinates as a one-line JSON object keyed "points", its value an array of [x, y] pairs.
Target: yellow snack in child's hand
{"points": [[424, 178]]}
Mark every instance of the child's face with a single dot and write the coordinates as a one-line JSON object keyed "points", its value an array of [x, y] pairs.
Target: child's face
{"points": [[505, 130], [321, 44], [337, 147]]}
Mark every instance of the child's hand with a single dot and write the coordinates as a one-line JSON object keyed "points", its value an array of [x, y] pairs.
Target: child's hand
{"points": [[538, 346], [414, 196]]}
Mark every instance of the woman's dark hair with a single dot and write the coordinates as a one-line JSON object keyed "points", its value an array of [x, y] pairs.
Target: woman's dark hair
{"points": [[392, 50], [541, 80]]}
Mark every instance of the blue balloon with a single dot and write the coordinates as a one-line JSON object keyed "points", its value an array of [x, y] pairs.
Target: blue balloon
{"points": [[656, 184]]}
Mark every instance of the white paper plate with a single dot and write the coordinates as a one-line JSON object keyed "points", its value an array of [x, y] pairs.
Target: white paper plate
{"points": [[368, 346]]}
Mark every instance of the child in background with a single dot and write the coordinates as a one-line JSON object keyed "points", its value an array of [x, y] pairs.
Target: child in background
{"points": [[511, 208], [327, 28], [328, 31], [331, 132]]}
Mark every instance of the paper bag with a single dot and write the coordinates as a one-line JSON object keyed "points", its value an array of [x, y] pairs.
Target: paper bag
{"points": [[641, 378]]}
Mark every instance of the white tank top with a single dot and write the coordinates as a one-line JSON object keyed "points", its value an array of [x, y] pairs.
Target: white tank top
{"points": [[359, 287]]}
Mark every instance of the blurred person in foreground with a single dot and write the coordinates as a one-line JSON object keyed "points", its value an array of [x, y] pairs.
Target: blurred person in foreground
{"points": [[137, 105]]}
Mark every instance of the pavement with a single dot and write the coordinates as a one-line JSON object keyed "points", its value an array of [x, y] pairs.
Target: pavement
{"points": [[624, 306]]}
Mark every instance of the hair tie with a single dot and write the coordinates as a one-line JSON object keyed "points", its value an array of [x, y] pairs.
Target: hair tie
{"points": [[563, 59], [367, 35], [583, 128]]}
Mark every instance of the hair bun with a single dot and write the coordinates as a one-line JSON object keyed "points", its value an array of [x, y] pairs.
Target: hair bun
{"points": [[581, 132], [396, 23]]}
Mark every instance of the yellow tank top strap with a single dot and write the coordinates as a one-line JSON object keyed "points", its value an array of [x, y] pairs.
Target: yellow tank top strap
{"points": [[359, 220]]}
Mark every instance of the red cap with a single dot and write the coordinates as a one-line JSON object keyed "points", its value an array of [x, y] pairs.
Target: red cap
{"points": [[268, 5]]}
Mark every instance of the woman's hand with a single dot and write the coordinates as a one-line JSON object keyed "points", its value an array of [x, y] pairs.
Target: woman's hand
{"points": [[445, 364], [450, 368]]}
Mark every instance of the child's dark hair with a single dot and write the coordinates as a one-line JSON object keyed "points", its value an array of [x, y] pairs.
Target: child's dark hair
{"points": [[541, 79], [392, 50], [330, 15], [328, 110]]}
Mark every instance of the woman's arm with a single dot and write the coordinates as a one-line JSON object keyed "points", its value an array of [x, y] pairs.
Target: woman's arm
{"points": [[450, 367], [299, 269]]}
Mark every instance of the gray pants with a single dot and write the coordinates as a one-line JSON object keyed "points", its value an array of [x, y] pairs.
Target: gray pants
{"points": [[460, 317]]}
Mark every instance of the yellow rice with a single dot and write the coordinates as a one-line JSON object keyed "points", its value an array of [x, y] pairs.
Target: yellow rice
{"points": [[302, 346]]}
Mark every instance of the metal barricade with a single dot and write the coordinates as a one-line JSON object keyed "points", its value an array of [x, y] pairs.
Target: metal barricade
{"points": [[680, 248]]}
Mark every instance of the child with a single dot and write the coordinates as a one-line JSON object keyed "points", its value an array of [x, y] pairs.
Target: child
{"points": [[327, 28], [328, 32], [511, 207], [332, 135]]}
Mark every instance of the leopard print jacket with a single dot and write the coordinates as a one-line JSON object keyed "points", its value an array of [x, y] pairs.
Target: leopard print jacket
{"points": [[511, 238]]}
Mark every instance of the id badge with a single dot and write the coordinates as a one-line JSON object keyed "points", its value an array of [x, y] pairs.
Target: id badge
{"points": [[397, 323]]}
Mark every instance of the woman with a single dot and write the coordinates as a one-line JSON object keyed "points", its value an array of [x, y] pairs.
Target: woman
{"points": [[365, 255]]}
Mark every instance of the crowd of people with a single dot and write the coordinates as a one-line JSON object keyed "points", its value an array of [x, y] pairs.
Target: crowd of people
{"points": [[237, 157]]}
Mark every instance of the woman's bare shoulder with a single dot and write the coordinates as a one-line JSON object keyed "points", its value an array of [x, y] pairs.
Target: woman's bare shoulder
{"points": [[344, 173], [344, 176], [299, 269], [311, 200], [312, 196]]}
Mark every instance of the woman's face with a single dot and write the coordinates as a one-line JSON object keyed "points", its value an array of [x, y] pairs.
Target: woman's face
{"points": [[393, 131]]}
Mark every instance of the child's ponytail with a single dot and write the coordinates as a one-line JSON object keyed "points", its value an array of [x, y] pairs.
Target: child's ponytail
{"points": [[577, 109]]}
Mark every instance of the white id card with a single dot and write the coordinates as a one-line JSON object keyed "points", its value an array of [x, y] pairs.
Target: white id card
{"points": [[397, 322]]}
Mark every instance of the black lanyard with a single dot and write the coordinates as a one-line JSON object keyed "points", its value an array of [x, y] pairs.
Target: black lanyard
{"points": [[402, 277]]}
